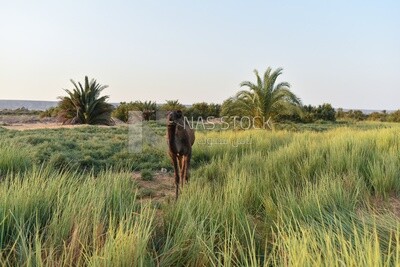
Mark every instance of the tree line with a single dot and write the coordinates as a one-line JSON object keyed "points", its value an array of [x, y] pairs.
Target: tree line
{"points": [[262, 99], [149, 109]]}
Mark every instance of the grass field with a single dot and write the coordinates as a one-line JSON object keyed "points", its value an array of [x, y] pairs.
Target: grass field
{"points": [[256, 198]]}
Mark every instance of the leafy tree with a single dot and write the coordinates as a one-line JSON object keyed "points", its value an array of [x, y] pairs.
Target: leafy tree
{"points": [[122, 111], [394, 116], [384, 116], [379, 116], [356, 115], [310, 114], [84, 105], [325, 112], [203, 110], [198, 110], [295, 117], [340, 113], [264, 99], [148, 109], [214, 110], [172, 105]]}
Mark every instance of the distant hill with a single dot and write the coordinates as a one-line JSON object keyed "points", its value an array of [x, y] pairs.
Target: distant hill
{"points": [[367, 111], [29, 104]]}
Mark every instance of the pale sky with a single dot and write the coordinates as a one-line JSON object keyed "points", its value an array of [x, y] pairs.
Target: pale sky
{"points": [[346, 53]]}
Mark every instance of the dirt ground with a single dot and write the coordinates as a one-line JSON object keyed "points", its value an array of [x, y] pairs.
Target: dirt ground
{"points": [[160, 189], [36, 126], [32, 122], [29, 122], [392, 204]]}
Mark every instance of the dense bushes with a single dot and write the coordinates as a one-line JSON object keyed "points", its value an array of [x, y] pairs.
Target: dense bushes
{"points": [[122, 111], [203, 110], [148, 109], [355, 115], [394, 117], [326, 112], [309, 114], [384, 116], [50, 112], [172, 105], [19, 111], [358, 115]]}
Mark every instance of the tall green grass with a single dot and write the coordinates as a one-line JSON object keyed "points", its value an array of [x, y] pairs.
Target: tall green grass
{"points": [[86, 148], [255, 198], [13, 157], [63, 218], [285, 198]]}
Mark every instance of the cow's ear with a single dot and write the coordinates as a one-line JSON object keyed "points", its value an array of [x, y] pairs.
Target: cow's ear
{"points": [[179, 113]]}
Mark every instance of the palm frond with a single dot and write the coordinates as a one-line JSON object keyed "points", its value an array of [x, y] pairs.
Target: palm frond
{"points": [[264, 99], [83, 104]]}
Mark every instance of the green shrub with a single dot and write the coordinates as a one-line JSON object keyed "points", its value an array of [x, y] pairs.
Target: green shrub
{"points": [[50, 112], [172, 105], [148, 109], [19, 111], [146, 192], [203, 110], [147, 175], [394, 116]]}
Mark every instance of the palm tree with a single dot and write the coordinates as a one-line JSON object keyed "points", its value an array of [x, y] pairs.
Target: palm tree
{"points": [[83, 105], [172, 105], [264, 100], [148, 108]]}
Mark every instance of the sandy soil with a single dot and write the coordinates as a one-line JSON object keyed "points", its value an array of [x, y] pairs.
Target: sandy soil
{"points": [[28, 122], [33, 122]]}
